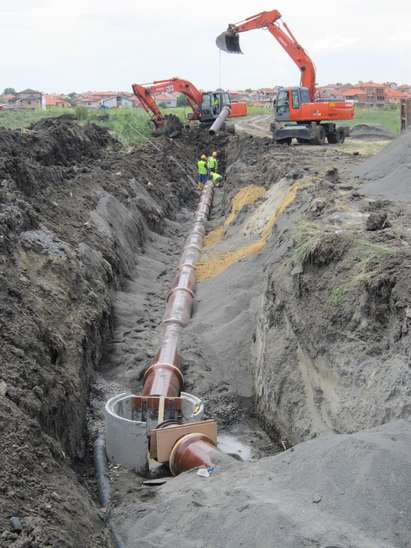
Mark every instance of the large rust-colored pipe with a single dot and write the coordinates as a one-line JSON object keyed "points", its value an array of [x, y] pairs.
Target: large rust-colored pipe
{"points": [[163, 377], [192, 451]]}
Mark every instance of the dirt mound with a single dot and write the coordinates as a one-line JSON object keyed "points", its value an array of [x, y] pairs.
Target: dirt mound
{"points": [[46, 151], [172, 127], [75, 214], [388, 172], [330, 492], [369, 132]]}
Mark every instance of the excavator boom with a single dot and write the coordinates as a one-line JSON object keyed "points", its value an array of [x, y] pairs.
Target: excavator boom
{"points": [[147, 101], [229, 41]]}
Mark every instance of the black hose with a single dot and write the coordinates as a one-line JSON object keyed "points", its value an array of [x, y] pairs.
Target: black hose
{"points": [[103, 485], [102, 477]]}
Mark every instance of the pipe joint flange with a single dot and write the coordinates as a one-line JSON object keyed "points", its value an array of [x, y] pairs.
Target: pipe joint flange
{"points": [[168, 366]]}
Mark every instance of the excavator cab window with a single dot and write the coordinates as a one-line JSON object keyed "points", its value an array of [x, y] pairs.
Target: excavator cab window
{"points": [[206, 102], [295, 93], [305, 95], [282, 104], [225, 100]]}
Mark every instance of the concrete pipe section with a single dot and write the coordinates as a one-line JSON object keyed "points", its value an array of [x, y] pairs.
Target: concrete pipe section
{"points": [[165, 422]]}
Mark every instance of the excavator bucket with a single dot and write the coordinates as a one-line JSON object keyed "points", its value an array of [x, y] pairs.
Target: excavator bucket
{"points": [[229, 41]]}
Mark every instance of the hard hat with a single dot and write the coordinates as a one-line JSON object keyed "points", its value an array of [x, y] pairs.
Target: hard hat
{"points": [[203, 157], [214, 154]]}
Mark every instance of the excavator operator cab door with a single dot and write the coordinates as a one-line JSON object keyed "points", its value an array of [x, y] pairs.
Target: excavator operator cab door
{"points": [[282, 105], [289, 102]]}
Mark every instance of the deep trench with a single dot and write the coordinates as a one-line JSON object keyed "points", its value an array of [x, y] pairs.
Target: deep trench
{"points": [[133, 340]]}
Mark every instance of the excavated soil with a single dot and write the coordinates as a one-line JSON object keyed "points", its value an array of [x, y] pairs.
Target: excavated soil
{"points": [[76, 212], [300, 325], [299, 335]]}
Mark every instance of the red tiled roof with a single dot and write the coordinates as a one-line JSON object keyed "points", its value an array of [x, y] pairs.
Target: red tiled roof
{"points": [[353, 91], [394, 93], [164, 97], [54, 100]]}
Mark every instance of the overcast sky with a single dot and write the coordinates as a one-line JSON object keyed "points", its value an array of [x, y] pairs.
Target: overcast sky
{"points": [[81, 45]]}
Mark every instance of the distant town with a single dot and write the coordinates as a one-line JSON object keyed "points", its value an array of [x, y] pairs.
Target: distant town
{"points": [[364, 94]]}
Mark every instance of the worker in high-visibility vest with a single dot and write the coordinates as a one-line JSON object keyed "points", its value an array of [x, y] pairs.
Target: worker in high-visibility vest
{"points": [[212, 163], [202, 170], [216, 178]]}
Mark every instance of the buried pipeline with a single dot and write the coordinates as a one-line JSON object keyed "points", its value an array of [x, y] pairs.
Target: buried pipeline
{"points": [[164, 423]]}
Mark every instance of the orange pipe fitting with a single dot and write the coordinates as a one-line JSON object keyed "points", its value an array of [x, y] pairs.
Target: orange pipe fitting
{"points": [[192, 451]]}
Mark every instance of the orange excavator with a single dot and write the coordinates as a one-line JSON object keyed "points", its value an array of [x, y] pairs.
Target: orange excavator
{"points": [[297, 112], [206, 106]]}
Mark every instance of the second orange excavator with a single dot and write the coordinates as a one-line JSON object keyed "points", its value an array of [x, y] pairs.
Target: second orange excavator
{"points": [[206, 106], [297, 112]]}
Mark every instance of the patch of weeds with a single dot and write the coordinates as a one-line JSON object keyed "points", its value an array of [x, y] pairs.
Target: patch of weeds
{"points": [[337, 296], [366, 250], [318, 247]]}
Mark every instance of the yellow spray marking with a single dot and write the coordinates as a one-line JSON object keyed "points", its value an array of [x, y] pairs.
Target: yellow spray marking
{"points": [[287, 201], [209, 267], [213, 237], [247, 195]]}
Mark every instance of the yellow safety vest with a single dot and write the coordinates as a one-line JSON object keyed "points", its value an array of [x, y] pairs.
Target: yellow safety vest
{"points": [[216, 177], [202, 167], [212, 163]]}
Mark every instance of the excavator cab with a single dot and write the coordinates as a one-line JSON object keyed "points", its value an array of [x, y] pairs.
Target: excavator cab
{"points": [[289, 99], [211, 105]]}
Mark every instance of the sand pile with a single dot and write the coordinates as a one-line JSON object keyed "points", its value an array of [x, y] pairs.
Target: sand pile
{"points": [[389, 172], [332, 492]]}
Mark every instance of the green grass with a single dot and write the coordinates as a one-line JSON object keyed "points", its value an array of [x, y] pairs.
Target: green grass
{"points": [[24, 118], [128, 125]]}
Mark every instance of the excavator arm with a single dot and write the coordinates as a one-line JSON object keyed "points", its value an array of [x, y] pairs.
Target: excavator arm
{"points": [[144, 95], [229, 41], [171, 85], [178, 85]]}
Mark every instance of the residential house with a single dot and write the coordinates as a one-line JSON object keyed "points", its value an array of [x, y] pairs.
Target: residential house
{"points": [[167, 100], [394, 96], [55, 101], [8, 99], [88, 101], [106, 99], [118, 101], [357, 95], [29, 99], [375, 94]]}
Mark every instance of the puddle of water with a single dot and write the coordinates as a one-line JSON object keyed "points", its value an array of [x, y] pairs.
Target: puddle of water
{"points": [[232, 445]]}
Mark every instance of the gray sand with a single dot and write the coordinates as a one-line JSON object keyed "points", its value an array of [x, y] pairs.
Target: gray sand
{"points": [[388, 173], [345, 491]]}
